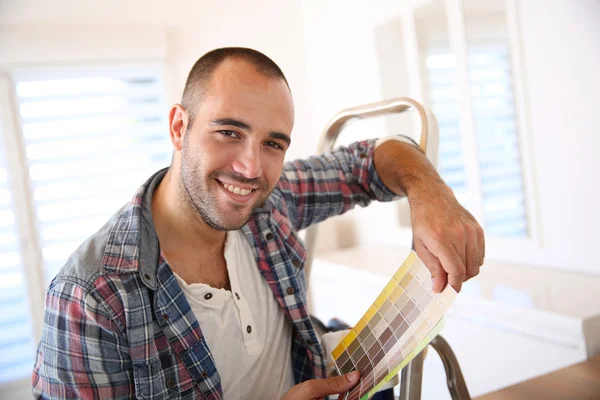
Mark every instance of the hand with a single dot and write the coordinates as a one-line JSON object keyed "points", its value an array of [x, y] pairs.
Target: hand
{"points": [[446, 236], [318, 388]]}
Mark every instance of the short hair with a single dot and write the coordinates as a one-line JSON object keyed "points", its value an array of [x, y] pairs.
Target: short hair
{"points": [[203, 69]]}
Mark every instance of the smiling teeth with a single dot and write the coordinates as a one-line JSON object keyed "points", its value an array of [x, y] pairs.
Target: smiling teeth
{"points": [[237, 190]]}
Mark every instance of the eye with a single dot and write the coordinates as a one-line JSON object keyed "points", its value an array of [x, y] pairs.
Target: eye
{"points": [[274, 145], [231, 134]]}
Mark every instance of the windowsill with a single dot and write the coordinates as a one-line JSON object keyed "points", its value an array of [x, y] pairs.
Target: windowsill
{"points": [[548, 300], [571, 294]]}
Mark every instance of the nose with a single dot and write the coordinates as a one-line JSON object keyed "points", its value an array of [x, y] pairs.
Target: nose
{"points": [[248, 162]]}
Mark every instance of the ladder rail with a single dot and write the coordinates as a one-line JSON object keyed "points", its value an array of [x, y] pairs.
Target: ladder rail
{"points": [[412, 374], [386, 107]]}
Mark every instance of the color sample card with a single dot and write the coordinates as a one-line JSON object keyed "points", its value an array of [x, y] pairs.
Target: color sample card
{"points": [[402, 321]]}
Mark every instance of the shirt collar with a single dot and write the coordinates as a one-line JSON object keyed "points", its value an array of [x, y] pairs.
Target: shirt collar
{"points": [[134, 240], [148, 242], [132, 244]]}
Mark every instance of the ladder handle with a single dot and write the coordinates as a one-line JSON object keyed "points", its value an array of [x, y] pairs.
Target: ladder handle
{"points": [[336, 124], [385, 107]]}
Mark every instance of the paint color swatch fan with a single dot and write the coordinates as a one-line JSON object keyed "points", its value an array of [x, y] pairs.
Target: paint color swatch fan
{"points": [[402, 321]]}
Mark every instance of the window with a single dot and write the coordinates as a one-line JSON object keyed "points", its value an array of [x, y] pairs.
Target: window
{"points": [[496, 136], [90, 137], [444, 96], [504, 209], [16, 340], [90, 140], [469, 79]]}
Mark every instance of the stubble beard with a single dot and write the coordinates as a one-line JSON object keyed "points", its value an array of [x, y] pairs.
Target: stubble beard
{"points": [[198, 198]]}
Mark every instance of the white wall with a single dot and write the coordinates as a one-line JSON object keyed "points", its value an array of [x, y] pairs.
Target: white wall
{"points": [[561, 60], [344, 70], [331, 52], [50, 33], [189, 29]]}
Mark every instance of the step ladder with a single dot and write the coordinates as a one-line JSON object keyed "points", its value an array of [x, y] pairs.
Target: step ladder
{"points": [[412, 374]]}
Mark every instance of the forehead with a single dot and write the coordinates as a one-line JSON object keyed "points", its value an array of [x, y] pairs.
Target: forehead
{"points": [[237, 90]]}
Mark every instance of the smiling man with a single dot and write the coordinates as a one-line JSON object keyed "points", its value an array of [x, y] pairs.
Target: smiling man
{"points": [[196, 289]]}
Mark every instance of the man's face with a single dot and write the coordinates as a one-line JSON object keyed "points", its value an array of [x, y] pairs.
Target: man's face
{"points": [[233, 154]]}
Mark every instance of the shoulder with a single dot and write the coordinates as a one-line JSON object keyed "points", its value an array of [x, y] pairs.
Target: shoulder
{"points": [[86, 263]]}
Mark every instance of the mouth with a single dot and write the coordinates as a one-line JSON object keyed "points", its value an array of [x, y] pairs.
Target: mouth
{"points": [[239, 194]]}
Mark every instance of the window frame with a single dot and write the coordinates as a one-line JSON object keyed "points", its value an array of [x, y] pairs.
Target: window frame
{"points": [[22, 206], [497, 248], [61, 50]]}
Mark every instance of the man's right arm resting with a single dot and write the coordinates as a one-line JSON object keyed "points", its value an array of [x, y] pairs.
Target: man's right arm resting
{"points": [[332, 183], [83, 353]]}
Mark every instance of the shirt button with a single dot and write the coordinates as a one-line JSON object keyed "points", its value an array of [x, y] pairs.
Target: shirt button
{"points": [[170, 383], [166, 317], [204, 374], [147, 277], [363, 156], [237, 296], [291, 290], [310, 342], [249, 329], [269, 236], [296, 262], [208, 296]]}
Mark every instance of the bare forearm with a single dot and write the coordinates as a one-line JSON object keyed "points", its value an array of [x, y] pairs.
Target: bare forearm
{"points": [[445, 235], [405, 170]]}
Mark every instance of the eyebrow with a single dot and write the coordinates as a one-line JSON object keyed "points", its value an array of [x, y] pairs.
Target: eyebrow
{"points": [[245, 126], [232, 122], [281, 136]]}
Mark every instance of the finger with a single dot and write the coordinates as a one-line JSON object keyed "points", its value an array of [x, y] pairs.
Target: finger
{"points": [[459, 241], [459, 244], [481, 244], [317, 388], [438, 275], [450, 262], [472, 253]]}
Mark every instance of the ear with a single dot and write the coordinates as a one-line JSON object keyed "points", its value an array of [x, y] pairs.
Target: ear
{"points": [[178, 122]]}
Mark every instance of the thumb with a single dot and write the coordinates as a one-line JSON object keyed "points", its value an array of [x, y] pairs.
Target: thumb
{"points": [[438, 275], [317, 388]]}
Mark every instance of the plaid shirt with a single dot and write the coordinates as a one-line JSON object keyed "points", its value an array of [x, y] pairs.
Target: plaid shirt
{"points": [[117, 324]]}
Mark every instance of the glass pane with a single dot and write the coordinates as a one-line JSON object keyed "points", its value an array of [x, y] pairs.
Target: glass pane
{"points": [[90, 142], [17, 349], [438, 68], [495, 118]]}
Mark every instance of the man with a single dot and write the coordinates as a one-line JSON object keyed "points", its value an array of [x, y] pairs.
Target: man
{"points": [[196, 288]]}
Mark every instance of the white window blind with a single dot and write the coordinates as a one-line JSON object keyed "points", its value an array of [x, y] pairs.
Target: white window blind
{"points": [[444, 96], [91, 138], [16, 340], [502, 197], [491, 85]]}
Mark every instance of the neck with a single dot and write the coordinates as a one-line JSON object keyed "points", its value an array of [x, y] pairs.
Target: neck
{"points": [[177, 225]]}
